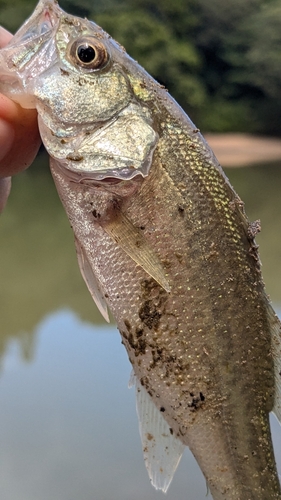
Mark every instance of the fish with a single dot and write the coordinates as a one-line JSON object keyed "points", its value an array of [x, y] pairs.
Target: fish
{"points": [[164, 243]]}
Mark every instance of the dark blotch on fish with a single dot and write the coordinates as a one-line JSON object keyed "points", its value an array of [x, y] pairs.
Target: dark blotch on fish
{"points": [[196, 401], [127, 324], [138, 344], [64, 72], [74, 157], [139, 332], [96, 214], [149, 314]]}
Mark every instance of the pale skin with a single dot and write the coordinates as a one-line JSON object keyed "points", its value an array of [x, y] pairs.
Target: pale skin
{"points": [[19, 136]]}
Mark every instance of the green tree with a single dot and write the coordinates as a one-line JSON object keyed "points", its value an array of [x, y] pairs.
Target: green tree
{"points": [[171, 60], [13, 14], [262, 70], [220, 60]]}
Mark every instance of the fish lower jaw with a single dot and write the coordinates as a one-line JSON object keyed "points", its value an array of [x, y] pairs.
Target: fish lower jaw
{"points": [[15, 92]]}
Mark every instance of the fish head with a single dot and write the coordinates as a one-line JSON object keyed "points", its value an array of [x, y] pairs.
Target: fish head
{"points": [[94, 117]]}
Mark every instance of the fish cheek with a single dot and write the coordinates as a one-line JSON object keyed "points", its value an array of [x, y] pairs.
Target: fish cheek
{"points": [[78, 99]]}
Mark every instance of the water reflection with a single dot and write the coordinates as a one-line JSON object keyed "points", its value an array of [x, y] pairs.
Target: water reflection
{"points": [[68, 425], [38, 265]]}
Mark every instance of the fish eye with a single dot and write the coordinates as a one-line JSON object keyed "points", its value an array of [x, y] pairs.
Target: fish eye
{"points": [[88, 53]]}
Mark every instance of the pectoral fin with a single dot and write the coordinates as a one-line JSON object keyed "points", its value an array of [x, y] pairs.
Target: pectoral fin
{"points": [[91, 281], [132, 241], [162, 450]]}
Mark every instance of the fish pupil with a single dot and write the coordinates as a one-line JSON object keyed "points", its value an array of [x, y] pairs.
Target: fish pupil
{"points": [[86, 53]]}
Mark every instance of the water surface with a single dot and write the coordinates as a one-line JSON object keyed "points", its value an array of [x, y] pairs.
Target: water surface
{"points": [[68, 426]]}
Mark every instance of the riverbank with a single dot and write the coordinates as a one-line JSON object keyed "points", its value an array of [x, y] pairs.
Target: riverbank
{"points": [[239, 150]]}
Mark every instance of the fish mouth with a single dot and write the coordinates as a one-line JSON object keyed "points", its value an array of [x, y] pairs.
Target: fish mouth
{"points": [[44, 20], [18, 59]]}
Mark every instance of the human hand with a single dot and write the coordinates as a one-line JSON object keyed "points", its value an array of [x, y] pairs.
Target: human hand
{"points": [[19, 136]]}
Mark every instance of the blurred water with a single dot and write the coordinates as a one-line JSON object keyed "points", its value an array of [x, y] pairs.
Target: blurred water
{"points": [[68, 426]]}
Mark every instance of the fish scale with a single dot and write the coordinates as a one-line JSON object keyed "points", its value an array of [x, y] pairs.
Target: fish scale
{"points": [[163, 241]]}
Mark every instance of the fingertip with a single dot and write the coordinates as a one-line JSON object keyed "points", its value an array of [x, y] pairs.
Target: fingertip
{"points": [[5, 37], [19, 137], [9, 110]]}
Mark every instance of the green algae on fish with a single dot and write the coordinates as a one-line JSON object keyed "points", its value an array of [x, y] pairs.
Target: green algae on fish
{"points": [[162, 241]]}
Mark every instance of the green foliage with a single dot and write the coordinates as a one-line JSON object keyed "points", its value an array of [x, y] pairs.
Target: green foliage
{"points": [[220, 60], [172, 61], [12, 14], [223, 115], [263, 50]]}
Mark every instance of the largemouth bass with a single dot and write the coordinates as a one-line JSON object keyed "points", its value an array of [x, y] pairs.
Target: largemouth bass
{"points": [[162, 241]]}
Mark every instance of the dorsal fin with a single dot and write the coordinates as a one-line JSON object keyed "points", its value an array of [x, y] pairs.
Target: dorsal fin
{"points": [[162, 450]]}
